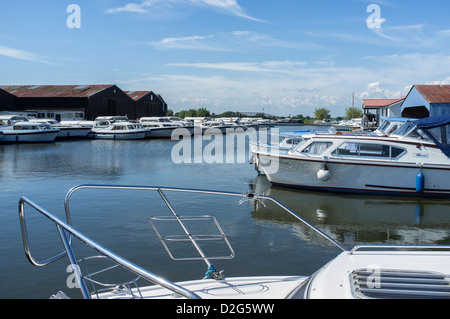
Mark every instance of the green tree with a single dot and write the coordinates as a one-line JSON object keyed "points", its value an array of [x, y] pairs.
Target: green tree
{"points": [[353, 112], [322, 113]]}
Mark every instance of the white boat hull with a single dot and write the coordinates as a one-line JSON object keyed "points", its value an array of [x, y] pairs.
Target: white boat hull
{"points": [[119, 135], [73, 132], [356, 177], [28, 137], [160, 132]]}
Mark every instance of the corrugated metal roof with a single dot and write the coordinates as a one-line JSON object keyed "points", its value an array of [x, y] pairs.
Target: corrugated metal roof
{"points": [[381, 102], [54, 90], [137, 95], [435, 93]]}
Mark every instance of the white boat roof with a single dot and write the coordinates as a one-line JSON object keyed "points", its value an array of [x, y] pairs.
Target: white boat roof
{"points": [[338, 279]]}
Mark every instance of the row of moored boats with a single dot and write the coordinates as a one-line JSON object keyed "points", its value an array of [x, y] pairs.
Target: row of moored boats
{"points": [[19, 129]]}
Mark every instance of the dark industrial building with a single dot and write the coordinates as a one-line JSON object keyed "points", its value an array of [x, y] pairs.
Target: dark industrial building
{"points": [[91, 100], [148, 103], [7, 100]]}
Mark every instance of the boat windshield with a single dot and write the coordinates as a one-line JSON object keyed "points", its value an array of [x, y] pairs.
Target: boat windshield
{"points": [[404, 129]]}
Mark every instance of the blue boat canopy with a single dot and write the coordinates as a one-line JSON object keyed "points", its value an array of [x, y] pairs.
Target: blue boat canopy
{"points": [[438, 129]]}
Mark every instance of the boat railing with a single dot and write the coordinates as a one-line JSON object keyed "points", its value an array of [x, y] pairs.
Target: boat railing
{"points": [[375, 248], [68, 233]]}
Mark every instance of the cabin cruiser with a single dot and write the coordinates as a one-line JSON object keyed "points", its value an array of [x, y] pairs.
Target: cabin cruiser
{"points": [[363, 272], [413, 160], [65, 130], [158, 126], [17, 129], [117, 128], [213, 126]]}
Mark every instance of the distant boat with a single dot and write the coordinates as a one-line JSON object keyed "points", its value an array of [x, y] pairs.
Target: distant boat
{"points": [[117, 128], [159, 127], [66, 130], [17, 129]]}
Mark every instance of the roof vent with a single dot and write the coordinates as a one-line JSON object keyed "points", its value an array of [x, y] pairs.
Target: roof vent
{"points": [[398, 284]]}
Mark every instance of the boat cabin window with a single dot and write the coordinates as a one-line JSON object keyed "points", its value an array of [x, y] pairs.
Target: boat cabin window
{"points": [[441, 134], [293, 140], [317, 148], [404, 129], [350, 149]]}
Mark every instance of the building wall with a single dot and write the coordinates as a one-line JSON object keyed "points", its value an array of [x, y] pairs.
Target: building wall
{"points": [[110, 101], [415, 105], [7, 101], [150, 105]]}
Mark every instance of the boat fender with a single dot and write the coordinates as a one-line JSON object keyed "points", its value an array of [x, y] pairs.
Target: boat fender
{"points": [[420, 182], [324, 174]]}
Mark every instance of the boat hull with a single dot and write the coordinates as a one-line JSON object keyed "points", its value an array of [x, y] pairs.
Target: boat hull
{"points": [[356, 177], [73, 132], [29, 137], [160, 132], [119, 136]]}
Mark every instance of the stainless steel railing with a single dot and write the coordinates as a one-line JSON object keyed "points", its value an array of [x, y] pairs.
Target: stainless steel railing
{"points": [[64, 229], [67, 233]]}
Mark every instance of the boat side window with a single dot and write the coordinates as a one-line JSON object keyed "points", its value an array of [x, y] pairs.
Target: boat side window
{"points": [[317, 148], [441, 134], [349, 149]]}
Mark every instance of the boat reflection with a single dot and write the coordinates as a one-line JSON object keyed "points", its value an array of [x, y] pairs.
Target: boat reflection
{"points": [[359, 219]]}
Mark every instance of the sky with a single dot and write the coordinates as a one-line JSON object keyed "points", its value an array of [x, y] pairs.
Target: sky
{"points": [[282, 57]]}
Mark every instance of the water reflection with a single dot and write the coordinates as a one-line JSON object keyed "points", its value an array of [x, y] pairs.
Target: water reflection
{"points": [[359, 219]]}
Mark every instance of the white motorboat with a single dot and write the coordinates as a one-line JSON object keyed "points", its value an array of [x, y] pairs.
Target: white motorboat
{"points": [[159, 127], [17, 129], [66, 130], [117, 128], [411, 161], [211, 127], [366, 271]]}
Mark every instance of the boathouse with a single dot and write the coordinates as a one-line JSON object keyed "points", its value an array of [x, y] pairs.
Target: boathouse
{"points": [[92, 100], [147, 103], [426, 100], [381, 107]]}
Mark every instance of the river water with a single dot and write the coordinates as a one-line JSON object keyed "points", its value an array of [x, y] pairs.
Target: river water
{"points": [[266, 241]]}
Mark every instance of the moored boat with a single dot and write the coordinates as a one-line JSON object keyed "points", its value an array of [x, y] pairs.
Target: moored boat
{"points": [[66, 130], [408, 162], [158, 127], [117, 128], [18, 129]]}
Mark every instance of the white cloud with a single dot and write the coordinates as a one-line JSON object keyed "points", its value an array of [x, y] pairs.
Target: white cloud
{"points": [[195, 42], [22, 55], [221, 6]]}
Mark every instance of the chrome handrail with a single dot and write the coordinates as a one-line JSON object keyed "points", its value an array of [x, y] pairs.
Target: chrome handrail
{"points": [[63, 227], [398, 247], [201, 191], [67, 231]]}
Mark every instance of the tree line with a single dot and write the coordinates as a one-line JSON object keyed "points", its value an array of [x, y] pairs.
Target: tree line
{"points": [[319, 114]]}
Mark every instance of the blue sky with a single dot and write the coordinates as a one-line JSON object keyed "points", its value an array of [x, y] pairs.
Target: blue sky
{"points": [[285, 57]]}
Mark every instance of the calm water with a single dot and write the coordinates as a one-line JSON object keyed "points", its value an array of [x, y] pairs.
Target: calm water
{"points": [[266, 240]]}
